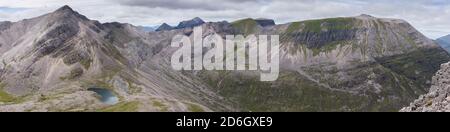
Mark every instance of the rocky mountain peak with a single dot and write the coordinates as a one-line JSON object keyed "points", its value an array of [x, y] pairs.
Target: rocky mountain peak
{"points": [[165, 24], [164, 27], [198, 19], [366, 15], [190, 23], [65, 8], [67, 12]]}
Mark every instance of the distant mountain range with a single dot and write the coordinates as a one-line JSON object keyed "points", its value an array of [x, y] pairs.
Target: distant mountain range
{"points": [[148, 28], [362, 63], [198, 21], [184, 24], [444, 42]]}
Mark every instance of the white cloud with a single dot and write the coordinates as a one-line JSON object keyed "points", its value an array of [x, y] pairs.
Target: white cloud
{"points": [[431, 17]]}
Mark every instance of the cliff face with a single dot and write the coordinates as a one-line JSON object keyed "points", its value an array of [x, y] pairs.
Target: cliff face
{"points": [[438, 99]]}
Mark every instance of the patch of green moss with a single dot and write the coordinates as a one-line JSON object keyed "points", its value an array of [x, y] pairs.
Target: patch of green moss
{"points": [[43, 98], [132, 88], [122, 107], [295, 26], [410, 41], [194, 108], [162, 107], [5, 96], [246, 26], [86, 63], [379, 47]]}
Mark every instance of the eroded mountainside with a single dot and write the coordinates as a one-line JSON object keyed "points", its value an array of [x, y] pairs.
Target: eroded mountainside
{"points": [[358, 63]]}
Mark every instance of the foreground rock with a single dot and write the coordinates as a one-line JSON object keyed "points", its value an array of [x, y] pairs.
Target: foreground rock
{"points": [[438, 99]]}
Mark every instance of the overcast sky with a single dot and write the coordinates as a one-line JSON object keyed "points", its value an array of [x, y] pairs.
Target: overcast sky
{"points": [[431, 17]]}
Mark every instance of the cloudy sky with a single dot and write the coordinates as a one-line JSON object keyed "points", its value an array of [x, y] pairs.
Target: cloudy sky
{"points": [[431, 17]]}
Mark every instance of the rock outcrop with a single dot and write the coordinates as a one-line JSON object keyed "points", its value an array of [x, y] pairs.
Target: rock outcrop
{"points": [[438, 99]]}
